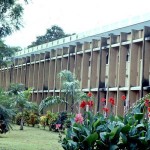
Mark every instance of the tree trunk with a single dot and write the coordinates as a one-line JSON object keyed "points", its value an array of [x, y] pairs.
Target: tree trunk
{"points": [[21, 122], [66, 101], [72, 103]]}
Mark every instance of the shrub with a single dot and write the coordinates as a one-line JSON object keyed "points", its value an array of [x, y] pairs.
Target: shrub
{"points": [[33, 119], [59, 119], [96, 132], [43, 121]]}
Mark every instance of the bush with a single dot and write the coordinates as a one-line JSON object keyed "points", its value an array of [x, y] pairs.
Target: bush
{"points": [[30, 118], [18, 118], [96, 132], [33, 119], [59, 119]]}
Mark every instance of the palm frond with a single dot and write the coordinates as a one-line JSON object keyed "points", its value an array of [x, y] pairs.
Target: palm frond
{"points": [[7, 114], [50, 101]]}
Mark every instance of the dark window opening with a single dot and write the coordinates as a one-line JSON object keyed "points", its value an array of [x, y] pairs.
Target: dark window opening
{"points": [[107, 55]]}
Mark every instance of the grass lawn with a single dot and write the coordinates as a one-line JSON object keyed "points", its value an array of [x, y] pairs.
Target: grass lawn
{"points": [[31, 138]]}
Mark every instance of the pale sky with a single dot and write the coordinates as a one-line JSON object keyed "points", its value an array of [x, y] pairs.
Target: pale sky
{"points": [[73, 16]]}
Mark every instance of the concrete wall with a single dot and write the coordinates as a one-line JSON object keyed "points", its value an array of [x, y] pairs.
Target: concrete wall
{"points": [[108, 67]]}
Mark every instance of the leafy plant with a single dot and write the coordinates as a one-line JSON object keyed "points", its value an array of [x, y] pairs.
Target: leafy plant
{"points": [[16, 88], [49, 101], [71, 87], [5, 119], [96, 132], [21, 103], [62, 117]]}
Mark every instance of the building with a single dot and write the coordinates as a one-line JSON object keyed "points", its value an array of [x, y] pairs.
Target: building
{"points": [[110, 62]]}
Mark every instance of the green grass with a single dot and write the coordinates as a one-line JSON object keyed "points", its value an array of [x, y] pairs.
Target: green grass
{"points": [[31, 138]]}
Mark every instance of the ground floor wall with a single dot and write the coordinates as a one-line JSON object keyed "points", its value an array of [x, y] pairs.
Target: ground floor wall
{"points": [[108, 67]]}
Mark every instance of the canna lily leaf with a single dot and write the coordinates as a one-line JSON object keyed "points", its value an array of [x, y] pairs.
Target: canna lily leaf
{"points": [[92, 138], [138, 116]]}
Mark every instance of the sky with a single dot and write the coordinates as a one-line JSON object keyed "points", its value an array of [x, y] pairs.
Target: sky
{"points": [[73, 16]]}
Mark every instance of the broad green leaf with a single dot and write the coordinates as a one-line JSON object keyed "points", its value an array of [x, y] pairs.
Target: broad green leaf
{"points": [[92, 138], [113, 147], [126, 129], [99, 142], [104, 135], [96, 123], [76, 129], [71, 143], [114, 132], [101, 128], [123, 138], [138, 116], [140, 126], [148, 132]]}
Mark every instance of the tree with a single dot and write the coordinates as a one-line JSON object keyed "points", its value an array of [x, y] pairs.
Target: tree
{"points": [[21, 102], [5, 52], [5, 99], [54, 33], [10, 20], [10, 16], [16, 88], [71, 87], [5, 117], [6, 113]]}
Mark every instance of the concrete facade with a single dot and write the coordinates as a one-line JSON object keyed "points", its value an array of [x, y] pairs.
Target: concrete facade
{"points": [[111, 63]]}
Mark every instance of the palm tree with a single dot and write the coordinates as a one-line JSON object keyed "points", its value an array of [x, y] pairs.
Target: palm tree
{"points": [[16, 88], [5, 117], [71, 87], [21, 102]]}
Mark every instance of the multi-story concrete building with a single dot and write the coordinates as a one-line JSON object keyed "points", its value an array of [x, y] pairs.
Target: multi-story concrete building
{"points": [[110, 61]]}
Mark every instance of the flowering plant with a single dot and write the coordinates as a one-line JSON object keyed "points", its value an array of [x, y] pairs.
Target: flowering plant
{"points": [[88, 100], [78, 118], [111, 100], [98, 132]]}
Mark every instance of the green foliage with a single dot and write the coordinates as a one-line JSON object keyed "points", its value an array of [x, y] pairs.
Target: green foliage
{"points": [[69, 81], [6, 53], [7, 114], [10, 16], [16, 88], [32, 119], [131, 132], [5, 99], [54, 33], [21, 103], [70, 86], [60, 119], [49, 101]]}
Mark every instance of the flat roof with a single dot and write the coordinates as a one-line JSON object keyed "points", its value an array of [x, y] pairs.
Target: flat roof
{"points": [[126, 25]]}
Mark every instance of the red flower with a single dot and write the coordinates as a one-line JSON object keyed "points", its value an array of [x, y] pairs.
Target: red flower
{"points": [[148, 114], [103, 100], [148, 109], [123, 97], [146, 102], [83, 104], [89, 94], [105, 109], [112, 101], [90, 103]]}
